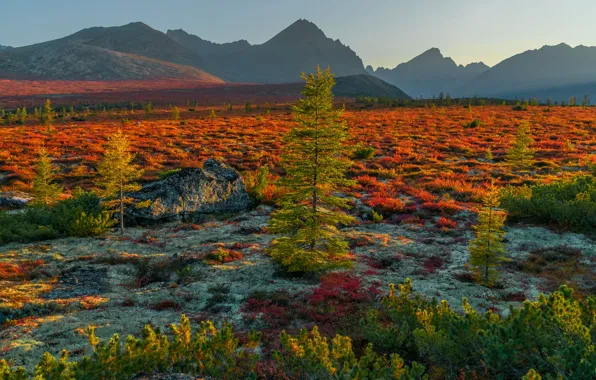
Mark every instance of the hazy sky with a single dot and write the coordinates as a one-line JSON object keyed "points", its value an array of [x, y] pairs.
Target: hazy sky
{"points": [[382, 32]]}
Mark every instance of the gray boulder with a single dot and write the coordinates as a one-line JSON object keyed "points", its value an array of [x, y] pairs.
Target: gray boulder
{"points": [[191, 194], [14, 199]]}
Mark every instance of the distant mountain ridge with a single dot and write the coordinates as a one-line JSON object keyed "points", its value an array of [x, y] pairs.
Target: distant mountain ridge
{"points": [[429, 74], [298, 48], [538, 72]]}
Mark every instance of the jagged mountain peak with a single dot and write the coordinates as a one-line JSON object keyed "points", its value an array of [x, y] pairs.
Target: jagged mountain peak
{"points": [[299, 31]]}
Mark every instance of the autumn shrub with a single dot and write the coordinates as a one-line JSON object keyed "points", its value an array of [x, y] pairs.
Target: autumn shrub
{"points": [[80, 215], [569, 203], [340, 300], [385, 202], [258, 184], [222, 256]]}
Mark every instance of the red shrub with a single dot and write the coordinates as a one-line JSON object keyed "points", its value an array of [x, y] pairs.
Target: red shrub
{"points": [[432, 264], [446, 223]]}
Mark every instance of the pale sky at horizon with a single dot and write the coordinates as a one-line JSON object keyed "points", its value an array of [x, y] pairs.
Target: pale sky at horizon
{"points": [[383, 32]]}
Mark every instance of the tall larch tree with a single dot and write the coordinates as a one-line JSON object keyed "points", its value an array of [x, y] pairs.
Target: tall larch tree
{"points": [[47, 114], [45, 191], [520, 155], [315, 164], [487, 250], [117, 173]]}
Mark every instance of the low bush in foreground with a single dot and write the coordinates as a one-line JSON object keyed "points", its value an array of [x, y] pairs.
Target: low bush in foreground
{"points": [[409, 337], [80, 216], [570, 203]]}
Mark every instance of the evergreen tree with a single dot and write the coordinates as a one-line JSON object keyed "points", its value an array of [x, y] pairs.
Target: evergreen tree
{"points": [[489, 154], [247, 107], [149, 108], [520, 155], [487, 249], [176, 114], [314, 160], [212, 115], [45, 191], [117, 172], [47, 114]]}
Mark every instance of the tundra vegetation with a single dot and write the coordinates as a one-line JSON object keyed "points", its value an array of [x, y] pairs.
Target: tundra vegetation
{"points": [[352, 202]]}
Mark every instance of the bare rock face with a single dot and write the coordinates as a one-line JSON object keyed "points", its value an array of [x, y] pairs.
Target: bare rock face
{"points": [[190, 194]]}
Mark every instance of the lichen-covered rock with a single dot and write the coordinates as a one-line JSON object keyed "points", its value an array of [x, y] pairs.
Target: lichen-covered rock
{"points": [[191, 194]]}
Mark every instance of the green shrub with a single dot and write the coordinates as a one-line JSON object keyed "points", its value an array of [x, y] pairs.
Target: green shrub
{"points": [[365, 153], [553, 336], [80, 215], [473, 124], [520, 107], [570, 203], [377, 217], [309, 355]]}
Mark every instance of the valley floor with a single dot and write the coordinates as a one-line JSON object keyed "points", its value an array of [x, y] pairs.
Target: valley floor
{"points": [[106, 282]]}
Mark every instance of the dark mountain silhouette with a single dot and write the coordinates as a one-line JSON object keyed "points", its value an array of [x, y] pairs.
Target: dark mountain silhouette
{"points": [[366, 85], [133, 51], [429, 74], [298, 48], [2, 47], [551, 71]]}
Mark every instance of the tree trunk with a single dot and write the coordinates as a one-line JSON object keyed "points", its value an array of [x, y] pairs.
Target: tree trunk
{"points": [[121, 211], [315, 198], [490, 225]]}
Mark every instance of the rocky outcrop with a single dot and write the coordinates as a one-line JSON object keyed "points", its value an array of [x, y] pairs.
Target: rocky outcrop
{"points": [[190, 194]]}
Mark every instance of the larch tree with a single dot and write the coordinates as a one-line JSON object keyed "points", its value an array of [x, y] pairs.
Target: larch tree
{"points": [[487, 249], [45, 191], [520, 155], [47, 114], [22, 116], [315, 164], [176, 114], [117, 173]]}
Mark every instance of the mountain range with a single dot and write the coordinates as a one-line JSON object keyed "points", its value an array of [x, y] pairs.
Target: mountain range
{"points": [[429, 74], [298, 48], [137, 51]]}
